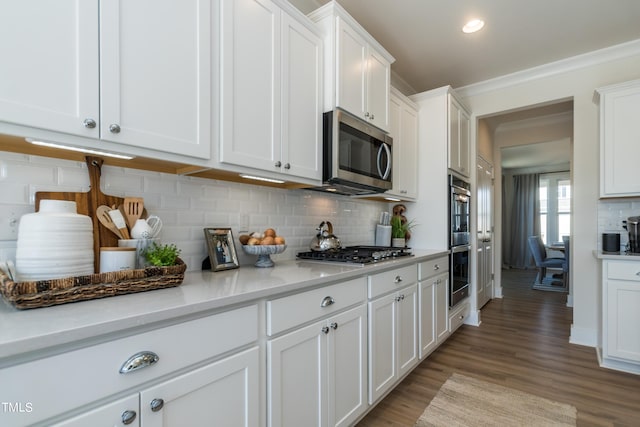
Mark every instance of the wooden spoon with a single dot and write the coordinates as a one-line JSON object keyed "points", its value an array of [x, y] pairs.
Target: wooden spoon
{"points": [[133, 207], [105, 219]]}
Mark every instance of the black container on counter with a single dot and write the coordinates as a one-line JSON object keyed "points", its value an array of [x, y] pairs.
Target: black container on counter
{"points": [[611, 243]]}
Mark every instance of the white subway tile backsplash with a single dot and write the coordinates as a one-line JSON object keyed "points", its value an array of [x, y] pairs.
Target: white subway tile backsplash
{"points": [[188, 204], [611, 214]]}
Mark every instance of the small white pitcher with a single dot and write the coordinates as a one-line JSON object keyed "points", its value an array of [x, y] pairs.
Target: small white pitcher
{"points": [[147, 228]]}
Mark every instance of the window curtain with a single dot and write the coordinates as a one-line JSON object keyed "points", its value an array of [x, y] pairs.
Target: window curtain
{"points": [[524, 220]]}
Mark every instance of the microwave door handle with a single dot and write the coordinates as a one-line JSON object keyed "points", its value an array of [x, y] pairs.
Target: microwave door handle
{"points": [[384, 175]]}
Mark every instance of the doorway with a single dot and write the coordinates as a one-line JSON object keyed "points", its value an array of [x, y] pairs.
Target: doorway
{"points": [[536, 140]]}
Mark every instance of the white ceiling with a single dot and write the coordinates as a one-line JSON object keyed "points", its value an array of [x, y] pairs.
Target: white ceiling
{"points": [[431, 51]]}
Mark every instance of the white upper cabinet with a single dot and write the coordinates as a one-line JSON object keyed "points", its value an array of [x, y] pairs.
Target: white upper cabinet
{"points": [[619, 139], [404, 131], [49, 73], [137, 73], [357, 67], [155, 74], [459, 141], [271, 90]]}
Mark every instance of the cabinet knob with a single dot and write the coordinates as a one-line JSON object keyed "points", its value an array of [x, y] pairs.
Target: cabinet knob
{"points": [[398, 279], [156, 404], [436, 267], [287, 166], [334, 326], [325, 329], [327, 301], [372, 117], [89, 123], [114, 128], [138, 361], [128, 417], [366, 114], [278, 164]]}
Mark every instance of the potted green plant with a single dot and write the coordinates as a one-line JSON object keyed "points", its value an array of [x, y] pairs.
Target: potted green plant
{"points": [[400, 231], [161, 255]]}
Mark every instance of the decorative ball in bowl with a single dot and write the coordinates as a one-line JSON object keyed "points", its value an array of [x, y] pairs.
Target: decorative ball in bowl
{"points": [[264, 253]]}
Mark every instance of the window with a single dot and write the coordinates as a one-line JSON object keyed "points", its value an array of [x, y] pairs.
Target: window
{"points": [[555, 206]]}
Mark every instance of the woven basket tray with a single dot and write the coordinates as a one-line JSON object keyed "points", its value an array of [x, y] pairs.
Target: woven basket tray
{"points": [[44, 293]]}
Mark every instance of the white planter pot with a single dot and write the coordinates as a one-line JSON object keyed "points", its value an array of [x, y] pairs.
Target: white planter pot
{"points": [[397, 242]]}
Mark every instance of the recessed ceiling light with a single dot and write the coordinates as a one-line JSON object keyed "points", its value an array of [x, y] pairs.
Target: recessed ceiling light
{"points": [[473, 26]]}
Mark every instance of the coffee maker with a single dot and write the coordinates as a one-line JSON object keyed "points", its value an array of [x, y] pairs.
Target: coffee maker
{"points": [[632, 225]]}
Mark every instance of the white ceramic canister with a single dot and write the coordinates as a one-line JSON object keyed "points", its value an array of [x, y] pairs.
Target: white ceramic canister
{"points": [[117, 259], [140, 245], [55, 242]]}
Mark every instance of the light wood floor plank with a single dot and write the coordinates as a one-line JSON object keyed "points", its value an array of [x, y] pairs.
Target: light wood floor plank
{"points": [[523, 343]]}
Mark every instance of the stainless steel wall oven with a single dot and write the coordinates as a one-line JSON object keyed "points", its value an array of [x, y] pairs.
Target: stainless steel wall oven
{"points": [[459, 216]]}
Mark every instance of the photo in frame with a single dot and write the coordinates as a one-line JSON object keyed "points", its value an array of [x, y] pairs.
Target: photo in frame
{"points": [[222, 250]]}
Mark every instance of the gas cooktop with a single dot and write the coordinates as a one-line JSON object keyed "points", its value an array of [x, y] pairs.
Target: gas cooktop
{"points": [[356, 255]]}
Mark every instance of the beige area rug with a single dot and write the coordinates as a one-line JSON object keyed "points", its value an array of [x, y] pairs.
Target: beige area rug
{"points": [[465, 401]]}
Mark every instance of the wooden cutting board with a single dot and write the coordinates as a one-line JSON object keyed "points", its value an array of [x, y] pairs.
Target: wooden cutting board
{"points": [[87, 204]]}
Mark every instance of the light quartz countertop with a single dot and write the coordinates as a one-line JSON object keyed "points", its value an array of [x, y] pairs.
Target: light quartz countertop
{"points": [[622, 256], [54, 329]]}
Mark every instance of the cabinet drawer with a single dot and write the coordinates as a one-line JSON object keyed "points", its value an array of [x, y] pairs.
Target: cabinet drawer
{"points": [[623, 270], [59, 383], [391, 280], [433, 267], [457, 316], [288, 312]]}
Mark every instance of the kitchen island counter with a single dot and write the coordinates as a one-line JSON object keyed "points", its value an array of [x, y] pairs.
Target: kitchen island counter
{"points": [[56, 329]]}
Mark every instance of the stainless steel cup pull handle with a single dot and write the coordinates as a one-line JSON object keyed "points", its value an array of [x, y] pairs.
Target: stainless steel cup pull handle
{"points": [[156, 404], [327, 301], [138, 361], [128, 417]]}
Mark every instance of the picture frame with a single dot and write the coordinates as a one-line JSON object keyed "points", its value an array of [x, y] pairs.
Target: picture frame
{"points": [[221, 247]]}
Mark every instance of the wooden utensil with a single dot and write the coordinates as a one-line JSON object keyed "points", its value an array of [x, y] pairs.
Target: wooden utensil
{"points": [[133, 207], [119, 222], [105, 219], [87, 203]]}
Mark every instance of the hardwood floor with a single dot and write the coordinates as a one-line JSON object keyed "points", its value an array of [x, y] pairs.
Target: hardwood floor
{"points": [[522, 343]]}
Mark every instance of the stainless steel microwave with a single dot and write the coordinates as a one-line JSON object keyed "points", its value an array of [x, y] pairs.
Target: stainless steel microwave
{"points": [[357, 156]]}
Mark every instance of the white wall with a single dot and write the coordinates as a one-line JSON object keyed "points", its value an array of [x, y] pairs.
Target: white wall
{"points": [[187, 205], [576, 79]]}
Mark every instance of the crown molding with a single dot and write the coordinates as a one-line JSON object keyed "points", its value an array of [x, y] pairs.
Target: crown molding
{"points": [[589, 59]]}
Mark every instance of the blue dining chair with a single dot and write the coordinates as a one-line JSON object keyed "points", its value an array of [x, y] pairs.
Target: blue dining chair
{"points": [[565, 265], [539, 253]]}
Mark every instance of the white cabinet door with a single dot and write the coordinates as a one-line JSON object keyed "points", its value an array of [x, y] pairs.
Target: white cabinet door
{"points": [[347, 366], [378, 89], [121, 412], [623, 318], [459, 138], [296, 377], [49, 73], [250, 89], [382, 345], [403, 126], [442, 308], [351, 73], [427, 309], [155, 69], [619, 136], [301, 152], [407, 334], [224, 393], [393, 339]]}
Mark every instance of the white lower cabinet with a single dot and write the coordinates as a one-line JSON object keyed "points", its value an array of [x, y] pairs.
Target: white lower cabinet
{"points": [[224, 393], [191, 378], [316, 374], [621, 315], [393, 328], [433, 306]]}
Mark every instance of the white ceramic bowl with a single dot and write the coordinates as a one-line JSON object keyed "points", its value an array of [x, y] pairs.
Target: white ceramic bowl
{"points": [[264, 252]]}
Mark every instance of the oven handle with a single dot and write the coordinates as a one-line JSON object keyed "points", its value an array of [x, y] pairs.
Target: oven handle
{"points": [[461, 248], [384, 175]]}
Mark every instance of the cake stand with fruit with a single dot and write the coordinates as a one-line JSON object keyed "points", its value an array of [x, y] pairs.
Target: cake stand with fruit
{"points": [[264, 245]]}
